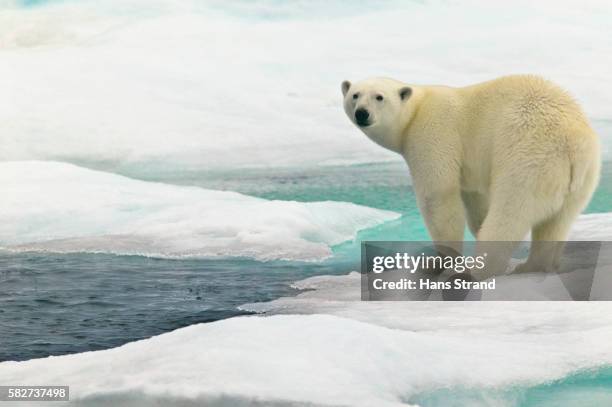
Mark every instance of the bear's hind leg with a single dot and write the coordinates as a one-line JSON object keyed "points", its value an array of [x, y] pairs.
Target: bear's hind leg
{"points": [[548, 239]]}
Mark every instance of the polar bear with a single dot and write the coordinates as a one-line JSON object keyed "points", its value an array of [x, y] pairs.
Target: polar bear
{"points": [[512, 155]]}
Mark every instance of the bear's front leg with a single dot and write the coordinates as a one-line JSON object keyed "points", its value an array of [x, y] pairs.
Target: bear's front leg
{"points": [[442, 210], [437, 185]]}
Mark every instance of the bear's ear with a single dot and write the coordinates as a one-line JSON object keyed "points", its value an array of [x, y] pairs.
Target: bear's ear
{"points": [[405, 92], [345, 87]]}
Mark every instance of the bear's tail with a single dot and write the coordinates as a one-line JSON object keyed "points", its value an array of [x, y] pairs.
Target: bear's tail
{"points": [[585, 165]]}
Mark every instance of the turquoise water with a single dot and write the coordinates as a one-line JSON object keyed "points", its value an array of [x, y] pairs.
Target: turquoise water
{"points": [[381, 185], [591, 388]]}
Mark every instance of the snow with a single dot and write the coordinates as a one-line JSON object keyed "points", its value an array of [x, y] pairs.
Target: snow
{"points": [[332, 360], [154, 86], [59, 207]]}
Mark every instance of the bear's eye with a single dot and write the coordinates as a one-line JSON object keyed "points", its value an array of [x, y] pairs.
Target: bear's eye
{"points": [[355, 96], [379, 98]]}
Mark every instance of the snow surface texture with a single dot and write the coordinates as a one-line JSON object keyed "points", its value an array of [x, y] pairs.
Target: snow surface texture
{"points": [[227, 84], [64, 208], [347, 353]]}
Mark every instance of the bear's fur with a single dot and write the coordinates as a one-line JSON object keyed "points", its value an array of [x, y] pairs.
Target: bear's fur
{"points": [[511, 155]]}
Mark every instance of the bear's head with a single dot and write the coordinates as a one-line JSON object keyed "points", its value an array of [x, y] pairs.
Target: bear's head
{"points": [[380, 108]]}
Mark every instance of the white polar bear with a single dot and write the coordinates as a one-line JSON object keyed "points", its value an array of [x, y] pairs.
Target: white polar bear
{"points": [[513, 155]]}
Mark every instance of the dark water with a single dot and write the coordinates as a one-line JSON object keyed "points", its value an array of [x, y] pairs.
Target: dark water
{"points": [[55, 304]]}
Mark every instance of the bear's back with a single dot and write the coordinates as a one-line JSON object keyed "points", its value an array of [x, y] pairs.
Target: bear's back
{"points": [[525, 102]]}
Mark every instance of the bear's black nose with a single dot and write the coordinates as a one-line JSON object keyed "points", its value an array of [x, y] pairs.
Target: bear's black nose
{"points": [[361, 116]]}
